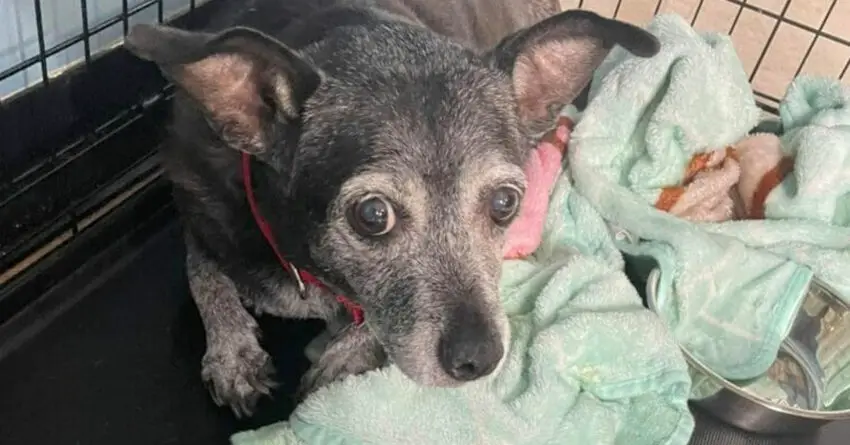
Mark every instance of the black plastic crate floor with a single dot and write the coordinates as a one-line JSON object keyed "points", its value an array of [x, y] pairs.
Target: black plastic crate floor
{"points": [[122, 367]]}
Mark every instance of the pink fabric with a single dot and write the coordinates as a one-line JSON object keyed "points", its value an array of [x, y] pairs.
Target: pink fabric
{"points": [[541, 171], [727, 186]]}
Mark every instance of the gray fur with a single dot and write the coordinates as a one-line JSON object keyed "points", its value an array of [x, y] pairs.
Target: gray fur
{"points": [[237, 369], [428, 104], [351, 351]]}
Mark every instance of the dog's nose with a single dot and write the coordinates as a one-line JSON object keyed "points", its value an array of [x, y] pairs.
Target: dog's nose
{"points": [[471, 347], [466, 361]]}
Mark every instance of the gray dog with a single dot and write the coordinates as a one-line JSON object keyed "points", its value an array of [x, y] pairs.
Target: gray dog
{"points": [[345, 158]]}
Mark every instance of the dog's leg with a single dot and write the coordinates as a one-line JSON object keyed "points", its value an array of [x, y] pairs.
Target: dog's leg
{"points": [[235, 368], [283, 299], [353, 350]]}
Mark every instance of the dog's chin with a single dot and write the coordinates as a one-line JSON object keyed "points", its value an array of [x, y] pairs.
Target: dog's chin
{"points": [[434, 377], [429, 373]]}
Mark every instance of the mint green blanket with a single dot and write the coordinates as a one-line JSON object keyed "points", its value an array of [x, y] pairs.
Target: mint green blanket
{"points": [[729, 290], [587, 364]]}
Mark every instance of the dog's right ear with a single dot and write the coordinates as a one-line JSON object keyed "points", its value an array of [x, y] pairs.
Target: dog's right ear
{"points": [[244, 80]]}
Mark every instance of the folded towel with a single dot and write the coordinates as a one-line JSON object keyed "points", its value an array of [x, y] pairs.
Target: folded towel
{"points": [[661, 152], [587, 363]]}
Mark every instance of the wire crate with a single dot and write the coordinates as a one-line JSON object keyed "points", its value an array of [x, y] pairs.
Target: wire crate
{"points": [[68, 90]]}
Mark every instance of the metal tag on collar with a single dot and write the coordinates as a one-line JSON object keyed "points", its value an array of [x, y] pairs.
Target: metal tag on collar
{"points": [[296, 275]]}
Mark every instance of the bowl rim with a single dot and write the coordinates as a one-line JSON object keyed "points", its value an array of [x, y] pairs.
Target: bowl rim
{"points": [[652, 281]]}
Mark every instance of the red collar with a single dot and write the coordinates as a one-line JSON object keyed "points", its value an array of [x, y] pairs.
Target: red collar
{"points": [[301, 277]]}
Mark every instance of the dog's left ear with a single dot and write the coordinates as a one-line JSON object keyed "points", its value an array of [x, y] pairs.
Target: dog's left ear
{"points": [[551, 62], [244, 81]]}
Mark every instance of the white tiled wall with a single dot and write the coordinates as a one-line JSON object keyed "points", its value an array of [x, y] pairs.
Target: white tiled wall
{"points": [[62, 19], [829, 54]]}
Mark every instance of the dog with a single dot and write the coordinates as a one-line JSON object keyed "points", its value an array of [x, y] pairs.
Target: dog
{"points": [[348, 159]]}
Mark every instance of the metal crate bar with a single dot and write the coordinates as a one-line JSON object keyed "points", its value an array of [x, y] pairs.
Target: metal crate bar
{"points": [[125, 16], [815, 38], [770, 40], [42, 54], [696, 13], [84, 12]]}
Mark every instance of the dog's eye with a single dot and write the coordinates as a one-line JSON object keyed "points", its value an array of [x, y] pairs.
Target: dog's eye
{"points": [[504, 204], [372, 216]]}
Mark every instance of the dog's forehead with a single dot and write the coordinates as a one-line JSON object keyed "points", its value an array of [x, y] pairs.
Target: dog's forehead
{"points": [[451, 117], [451, 129]]}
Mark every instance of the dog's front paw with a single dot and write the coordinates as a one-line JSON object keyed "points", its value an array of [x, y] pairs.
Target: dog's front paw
{"points": [[238, 375], [353, 351]]}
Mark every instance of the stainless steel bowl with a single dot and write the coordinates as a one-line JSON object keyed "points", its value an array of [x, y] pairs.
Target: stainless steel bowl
{"points": [[807, 386]]}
